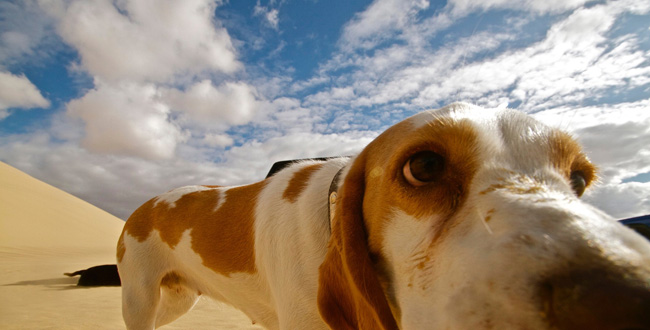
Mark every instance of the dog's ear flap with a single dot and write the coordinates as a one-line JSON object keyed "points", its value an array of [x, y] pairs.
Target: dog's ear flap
{"points": [[350, 295]]}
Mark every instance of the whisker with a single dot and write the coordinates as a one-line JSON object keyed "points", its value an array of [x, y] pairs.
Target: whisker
{"points": [[486, 225]]}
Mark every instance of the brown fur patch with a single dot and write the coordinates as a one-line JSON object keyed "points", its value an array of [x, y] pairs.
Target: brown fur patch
{"points": [[567, 156], [455, 140], [298, 182], [140, 224], [171, 222], [171, 280], [121, 249], [488, 215], [350, 295], [518, 185], [224, 237]]}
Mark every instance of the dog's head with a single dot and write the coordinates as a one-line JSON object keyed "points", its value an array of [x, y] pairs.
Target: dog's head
{"points": [[470, 218]]}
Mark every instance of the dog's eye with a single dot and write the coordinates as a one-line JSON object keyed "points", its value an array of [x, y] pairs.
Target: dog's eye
{"points": [[578, 182], [423, 167]]}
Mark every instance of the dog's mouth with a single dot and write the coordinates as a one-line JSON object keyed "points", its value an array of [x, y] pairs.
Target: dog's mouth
{"points": [[595, 299]]}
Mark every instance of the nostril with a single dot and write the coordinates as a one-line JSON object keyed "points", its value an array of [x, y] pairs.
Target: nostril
{"points": [[596, 300]]}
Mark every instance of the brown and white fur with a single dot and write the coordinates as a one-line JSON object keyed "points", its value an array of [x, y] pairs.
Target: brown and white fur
{"points": [[495, 237]]}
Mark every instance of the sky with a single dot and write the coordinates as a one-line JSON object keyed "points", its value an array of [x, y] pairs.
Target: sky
{"points": [[116, 101]]}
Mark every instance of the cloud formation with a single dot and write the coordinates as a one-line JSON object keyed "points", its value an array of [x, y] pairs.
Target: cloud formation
{"points": [[380, 21], [462, 7], [206, 105], [153, 64], [26, 33], [16, 91], [177, 99], [146, 40], [575, 60], [128, 119], [270, 15]]}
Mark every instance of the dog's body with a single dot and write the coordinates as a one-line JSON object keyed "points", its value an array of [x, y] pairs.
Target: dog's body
{"points": [[458, 218]]}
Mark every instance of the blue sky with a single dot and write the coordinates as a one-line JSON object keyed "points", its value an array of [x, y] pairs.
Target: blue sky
{"points": [[117, 101]]}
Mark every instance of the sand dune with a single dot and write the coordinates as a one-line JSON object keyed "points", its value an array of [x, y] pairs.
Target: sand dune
{"points": [[45, 232]]}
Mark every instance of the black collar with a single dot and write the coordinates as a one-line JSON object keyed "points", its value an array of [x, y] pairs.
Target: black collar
{"points": [[334, 185]]}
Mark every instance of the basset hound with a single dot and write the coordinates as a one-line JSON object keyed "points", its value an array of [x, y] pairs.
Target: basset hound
{"points": [[456, 218]]}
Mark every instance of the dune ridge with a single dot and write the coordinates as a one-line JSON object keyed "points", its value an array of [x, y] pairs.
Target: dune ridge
{"points": [[35, 215]]}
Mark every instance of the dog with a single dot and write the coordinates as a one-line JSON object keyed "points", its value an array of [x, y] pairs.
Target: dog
{"points": [[456, 218], [103, 275]]}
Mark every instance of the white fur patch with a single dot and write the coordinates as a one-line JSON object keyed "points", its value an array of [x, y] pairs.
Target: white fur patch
{"points": [[456, 111]]}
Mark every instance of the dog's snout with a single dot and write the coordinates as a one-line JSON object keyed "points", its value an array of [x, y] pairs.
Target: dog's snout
{"points": [[596, 300]]}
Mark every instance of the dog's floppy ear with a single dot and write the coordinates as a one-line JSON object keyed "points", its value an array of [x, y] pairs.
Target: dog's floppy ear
{"points": [[350, 295]]}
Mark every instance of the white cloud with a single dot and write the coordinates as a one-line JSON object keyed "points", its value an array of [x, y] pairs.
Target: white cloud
{"points": [[258, 156], [218, 140], [220, 107], [415, 75], [119, 184], [573, 118], [270, 15], [384, 19], [26, 33], [622, 200], [16, 91], [146, 40], [151, 122], [572, 63], [576, 60], [463, 7], [335, 95], [127, 119], [621, 150], [379, 21], [284, 116], [153, 63]]}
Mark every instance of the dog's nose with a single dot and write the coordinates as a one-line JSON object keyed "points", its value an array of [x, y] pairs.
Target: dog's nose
{"points": [[597, 300]]}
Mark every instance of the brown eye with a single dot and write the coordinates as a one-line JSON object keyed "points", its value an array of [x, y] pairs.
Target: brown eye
{"points": [[423, 167], [578, 182]]}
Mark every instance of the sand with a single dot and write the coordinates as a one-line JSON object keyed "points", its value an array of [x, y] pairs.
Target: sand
{"points": [[45, 232]]}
